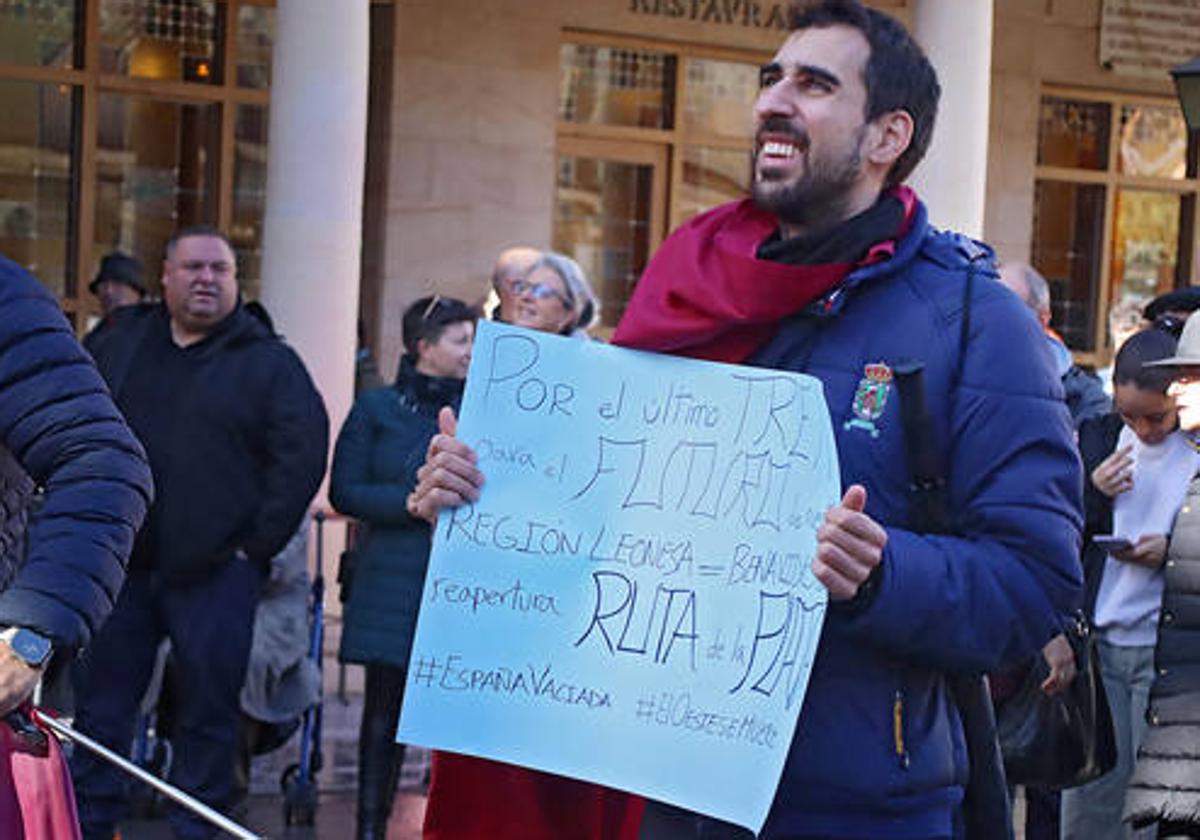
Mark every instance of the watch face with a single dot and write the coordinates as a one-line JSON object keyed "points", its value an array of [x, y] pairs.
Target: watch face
{"points": [[30, 646]]}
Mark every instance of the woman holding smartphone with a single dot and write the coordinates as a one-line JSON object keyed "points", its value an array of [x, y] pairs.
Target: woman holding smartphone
{"points": [[1139, 465]]}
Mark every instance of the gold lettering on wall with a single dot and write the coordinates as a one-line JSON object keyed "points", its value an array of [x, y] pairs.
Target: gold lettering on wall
{"points": [[1148, 37], [754, 14]]}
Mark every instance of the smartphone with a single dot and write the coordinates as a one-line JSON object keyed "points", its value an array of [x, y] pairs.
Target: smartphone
{"points": [[1111, 543]]}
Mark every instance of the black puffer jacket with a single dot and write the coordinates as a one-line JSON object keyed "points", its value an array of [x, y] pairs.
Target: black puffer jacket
{"points": [[1166, 779], [60, 432], [374, 469], [248, 447]]}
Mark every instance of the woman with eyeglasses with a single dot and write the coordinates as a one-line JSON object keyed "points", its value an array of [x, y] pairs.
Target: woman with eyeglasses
{"points": [[553, 296], [374, 469]]}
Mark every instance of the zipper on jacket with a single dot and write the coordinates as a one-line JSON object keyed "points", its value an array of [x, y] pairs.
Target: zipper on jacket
{"points": [[898, 729]]}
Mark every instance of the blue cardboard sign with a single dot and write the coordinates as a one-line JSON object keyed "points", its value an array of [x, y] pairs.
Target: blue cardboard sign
{"points": [[631, 600]]}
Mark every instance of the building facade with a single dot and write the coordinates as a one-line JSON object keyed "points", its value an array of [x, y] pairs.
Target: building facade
{"points": [[590, 126]]}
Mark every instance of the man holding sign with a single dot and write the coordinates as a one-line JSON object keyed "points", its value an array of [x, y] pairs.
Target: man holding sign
{"points": [[833, 270]]}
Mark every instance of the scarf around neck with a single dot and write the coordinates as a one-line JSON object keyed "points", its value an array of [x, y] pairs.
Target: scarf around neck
{"points": [[719, 286]]}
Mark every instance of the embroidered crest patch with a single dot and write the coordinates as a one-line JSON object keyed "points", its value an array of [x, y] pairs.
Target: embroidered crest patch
{"points": [[871, 398]]}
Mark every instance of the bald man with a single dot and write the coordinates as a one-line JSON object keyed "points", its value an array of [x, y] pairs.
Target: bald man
{"points": [[1084, 392], [512, 265]]}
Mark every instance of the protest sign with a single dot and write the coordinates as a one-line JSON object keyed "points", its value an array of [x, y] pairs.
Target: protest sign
{"points": [[631, 600]]}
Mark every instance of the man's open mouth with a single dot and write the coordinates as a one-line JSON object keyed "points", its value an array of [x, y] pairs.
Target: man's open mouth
{"points": [[779, 150]]}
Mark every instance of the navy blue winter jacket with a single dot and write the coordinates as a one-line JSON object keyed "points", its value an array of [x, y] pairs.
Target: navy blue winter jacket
{"points": [[60, 431], [879, 749]]}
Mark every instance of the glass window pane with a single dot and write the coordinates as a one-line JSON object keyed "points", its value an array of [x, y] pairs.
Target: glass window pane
{"points": [[1073, 133], [38, 32], [711, 177], [602, 219], [156, 172], [255, 39], [1153, 142], [609, 86], [1068, 237], [249, 195], [1144, 245], [160, 39], [36, 178], [718, 96]]}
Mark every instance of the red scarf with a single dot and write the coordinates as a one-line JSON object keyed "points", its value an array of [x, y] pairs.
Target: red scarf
{"points": [[726, 316], [741, 299]]}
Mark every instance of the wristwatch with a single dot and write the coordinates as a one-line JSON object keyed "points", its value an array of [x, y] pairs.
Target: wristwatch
{"points": [[30, 647]]}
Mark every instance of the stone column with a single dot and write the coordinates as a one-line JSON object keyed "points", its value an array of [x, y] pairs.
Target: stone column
{"points": [[312, 235], [952, 179]]}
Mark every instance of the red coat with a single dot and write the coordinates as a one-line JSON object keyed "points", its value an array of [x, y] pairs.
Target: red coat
{"points": [[476, 798]]}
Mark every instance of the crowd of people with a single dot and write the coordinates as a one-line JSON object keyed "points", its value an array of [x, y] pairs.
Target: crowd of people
{"points": [[149, 491]]}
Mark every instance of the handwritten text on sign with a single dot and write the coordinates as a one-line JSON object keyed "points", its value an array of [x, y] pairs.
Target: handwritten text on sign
{"points": [[631, 600]]}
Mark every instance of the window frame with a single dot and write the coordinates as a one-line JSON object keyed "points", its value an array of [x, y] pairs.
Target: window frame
{"points": [[1187, 188], [673, 139], [87, 82]]}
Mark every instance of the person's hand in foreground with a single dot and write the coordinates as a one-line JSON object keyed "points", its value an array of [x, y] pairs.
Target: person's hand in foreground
{"points": [[849, 546], [1061, 660], [1149, 551], [449, 477], [17, 679], [1114, 475]]}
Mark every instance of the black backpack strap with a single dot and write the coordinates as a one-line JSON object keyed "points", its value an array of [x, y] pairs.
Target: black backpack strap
{"points": [[986, 812], [975, 255]]}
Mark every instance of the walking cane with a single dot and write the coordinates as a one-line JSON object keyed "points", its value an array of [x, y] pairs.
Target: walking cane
{"points": [[170, 791]]}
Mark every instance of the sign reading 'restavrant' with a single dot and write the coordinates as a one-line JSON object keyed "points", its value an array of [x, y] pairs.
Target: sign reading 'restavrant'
{"points": [[631, 600]]}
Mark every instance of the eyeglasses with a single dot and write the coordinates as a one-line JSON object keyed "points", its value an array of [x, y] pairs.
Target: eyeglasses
{"points": [[538, 290]]}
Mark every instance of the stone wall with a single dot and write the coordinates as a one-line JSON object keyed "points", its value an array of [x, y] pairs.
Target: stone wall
{"points": [[1037, 43]]}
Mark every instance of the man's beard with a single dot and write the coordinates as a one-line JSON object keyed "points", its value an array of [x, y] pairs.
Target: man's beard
{"points": [[819, 195]]}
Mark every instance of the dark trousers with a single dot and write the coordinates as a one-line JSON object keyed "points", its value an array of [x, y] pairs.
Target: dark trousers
{"points": [[380, 758], [661, 821], [1041, 814], [210, 625]]}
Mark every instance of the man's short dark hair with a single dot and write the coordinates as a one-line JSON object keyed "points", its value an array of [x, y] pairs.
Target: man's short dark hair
{"points": [[428, 318], [195, 230], [1142, 347], [898, 75]]}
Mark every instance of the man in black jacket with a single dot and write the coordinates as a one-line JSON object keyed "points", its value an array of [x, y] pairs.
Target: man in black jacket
{"points": [[74, 486], [118, 283], [237, 438]]}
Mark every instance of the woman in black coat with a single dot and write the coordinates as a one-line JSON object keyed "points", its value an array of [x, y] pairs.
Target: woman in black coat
{"points": [[374, 469]]}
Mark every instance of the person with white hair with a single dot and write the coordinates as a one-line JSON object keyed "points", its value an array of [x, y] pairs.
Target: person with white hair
{"points": [[558, 300], [553, 296], [1083, 390]]}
